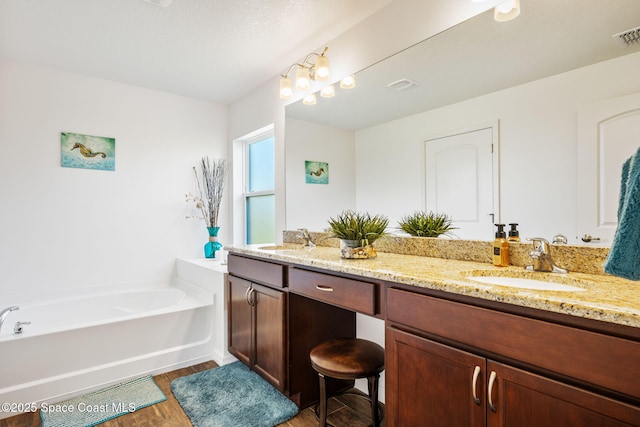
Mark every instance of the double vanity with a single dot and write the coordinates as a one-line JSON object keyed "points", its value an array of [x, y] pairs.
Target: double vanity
{"points": [[466, 343]]}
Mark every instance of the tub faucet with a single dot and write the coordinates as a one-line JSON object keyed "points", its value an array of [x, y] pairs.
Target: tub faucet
{"points": [[541, 255], [307, 240], [4, 313]]}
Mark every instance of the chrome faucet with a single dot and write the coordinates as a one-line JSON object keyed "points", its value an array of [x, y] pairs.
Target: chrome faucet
{"points": [[4, 313], [541, 255], [306, 238]]}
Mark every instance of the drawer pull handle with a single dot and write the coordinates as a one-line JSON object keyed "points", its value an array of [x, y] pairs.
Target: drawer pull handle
{"points": [[492, 380], [324, 288], [476, 374]]}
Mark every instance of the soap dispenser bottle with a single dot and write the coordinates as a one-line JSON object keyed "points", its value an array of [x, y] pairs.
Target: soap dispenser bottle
{"points": [[500, 248], [514, 234]]}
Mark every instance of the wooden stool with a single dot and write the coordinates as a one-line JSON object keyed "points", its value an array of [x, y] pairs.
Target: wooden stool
{"points": [[348, 359]]}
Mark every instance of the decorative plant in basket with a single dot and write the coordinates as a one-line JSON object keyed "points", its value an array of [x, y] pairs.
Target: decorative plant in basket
{"points": [[423, 224], [357, 233], [210, 178]]}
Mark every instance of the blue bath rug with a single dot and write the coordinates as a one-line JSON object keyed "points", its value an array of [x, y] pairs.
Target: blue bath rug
{"points": [[231, 396], [102, 405]]}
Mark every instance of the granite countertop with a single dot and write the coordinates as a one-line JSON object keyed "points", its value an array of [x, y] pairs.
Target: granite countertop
{"points": [[605, 298]]}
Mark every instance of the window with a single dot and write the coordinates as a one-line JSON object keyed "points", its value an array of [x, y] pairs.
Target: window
{"points": [[259, 195]]}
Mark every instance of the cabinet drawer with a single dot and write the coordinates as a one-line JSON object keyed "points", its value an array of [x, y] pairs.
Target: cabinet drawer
{"points": [[351, 294], [257, 271], [588, 357]]}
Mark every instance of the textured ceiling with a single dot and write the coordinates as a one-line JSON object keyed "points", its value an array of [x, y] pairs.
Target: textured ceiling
{"points": [[218, 50]]}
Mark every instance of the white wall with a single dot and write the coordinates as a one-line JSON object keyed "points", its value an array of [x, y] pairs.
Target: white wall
{"points": [[538, 143], [397, 26], [65, 228], [311, 205]]}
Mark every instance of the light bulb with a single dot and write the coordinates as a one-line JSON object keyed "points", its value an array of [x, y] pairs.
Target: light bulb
{"points": [[309, 99], [303, 82], [327, 91], [348, 82], [322, 72], [286, 87]]}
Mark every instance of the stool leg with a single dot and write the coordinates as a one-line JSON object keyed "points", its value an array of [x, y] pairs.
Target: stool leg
{"points": [[373, 395], [322, 417]]}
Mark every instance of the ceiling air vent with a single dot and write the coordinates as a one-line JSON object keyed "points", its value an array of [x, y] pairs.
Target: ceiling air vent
{"points": [[402, 84], [161, 3], [628, 38]]}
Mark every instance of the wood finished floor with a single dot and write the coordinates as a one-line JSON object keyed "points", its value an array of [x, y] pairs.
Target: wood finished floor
{"points": [[344, 411]]}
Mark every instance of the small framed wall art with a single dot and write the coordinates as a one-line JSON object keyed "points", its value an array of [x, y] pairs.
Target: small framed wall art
{"points": [[316, 172], [87, 151]]}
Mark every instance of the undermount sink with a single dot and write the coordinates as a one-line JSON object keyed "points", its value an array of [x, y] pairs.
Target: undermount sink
{"points": [[524, 283]]}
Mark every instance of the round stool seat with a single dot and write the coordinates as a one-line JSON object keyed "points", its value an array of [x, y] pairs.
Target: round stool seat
{"points": [[348, 358]]}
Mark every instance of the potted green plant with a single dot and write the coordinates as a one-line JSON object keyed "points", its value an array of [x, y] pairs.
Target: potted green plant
{"points": [[423, 224], [357, 232]]}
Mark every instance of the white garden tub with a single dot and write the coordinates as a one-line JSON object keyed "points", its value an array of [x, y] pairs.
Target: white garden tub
{"points": [[83, 342]]}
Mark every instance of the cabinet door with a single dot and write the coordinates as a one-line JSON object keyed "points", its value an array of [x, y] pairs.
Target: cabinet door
{"points": [[240, 324], [430, 384], [269, 329], [523, 399]]}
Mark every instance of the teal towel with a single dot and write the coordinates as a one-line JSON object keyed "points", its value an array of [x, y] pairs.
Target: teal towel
{"points": [[624, 257]]}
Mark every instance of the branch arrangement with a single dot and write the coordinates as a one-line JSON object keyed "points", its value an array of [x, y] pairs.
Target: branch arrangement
{"points": [[210, 183]]}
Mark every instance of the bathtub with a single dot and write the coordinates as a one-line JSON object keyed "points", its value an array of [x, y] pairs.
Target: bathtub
{"points": [[79, 343]]}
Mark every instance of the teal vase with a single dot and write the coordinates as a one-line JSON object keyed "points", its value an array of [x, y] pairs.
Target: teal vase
{"points": [[212, 245]]}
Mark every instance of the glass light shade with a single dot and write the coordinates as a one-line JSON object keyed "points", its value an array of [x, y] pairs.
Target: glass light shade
{"points": [[322, 72], [303, 82], [327, 91], [286, 88], [506, 11], [309, 99], [348, 82]]}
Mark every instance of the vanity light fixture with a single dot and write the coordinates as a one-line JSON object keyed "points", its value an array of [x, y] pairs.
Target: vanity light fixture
{"points": [[307, 71], [314, 67], [505, 11]]}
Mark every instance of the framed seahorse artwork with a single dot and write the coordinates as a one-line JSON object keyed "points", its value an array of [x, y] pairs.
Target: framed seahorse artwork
{"points": [[87, 151], [316, 172]]}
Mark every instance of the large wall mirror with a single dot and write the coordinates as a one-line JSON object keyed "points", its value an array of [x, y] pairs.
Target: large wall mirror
{"points": [[527, 80]]}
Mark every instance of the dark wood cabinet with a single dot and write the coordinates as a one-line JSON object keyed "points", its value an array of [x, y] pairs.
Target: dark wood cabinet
{"points": [[273, 331], [523, 399], [430, 384], [436, 380], [240, 320], [356, 295], [257, 328]]}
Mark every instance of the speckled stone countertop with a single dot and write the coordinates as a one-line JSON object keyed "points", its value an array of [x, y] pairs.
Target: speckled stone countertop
{"points": [[605, 298]]}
